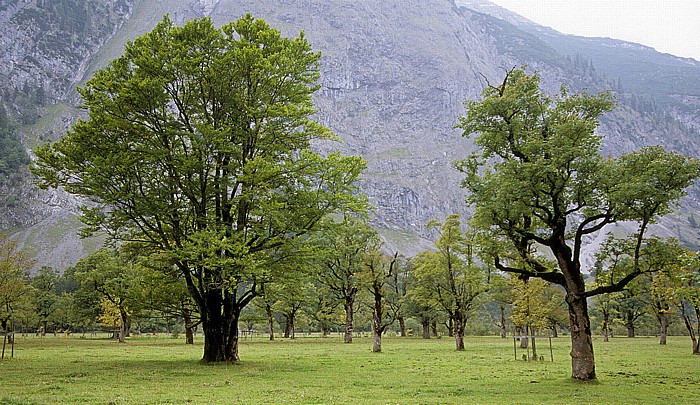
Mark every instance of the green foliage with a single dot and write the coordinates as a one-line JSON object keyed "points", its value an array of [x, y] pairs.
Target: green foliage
{"points": [[538, 183], [449, 279], [678, 285], [12, 154], [324, 311], [45, 297], [379, 277], [163, 292], [14, 272], [117, 278], [548, 183], [198, 144], [340, 249], [534, 303]]}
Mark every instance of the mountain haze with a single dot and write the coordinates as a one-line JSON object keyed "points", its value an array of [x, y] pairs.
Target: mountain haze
{"points": [[394, 75]]}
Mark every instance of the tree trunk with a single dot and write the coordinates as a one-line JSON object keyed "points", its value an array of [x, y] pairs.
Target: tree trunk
{"points": [[189, 335], [290, 324], [270, 322], [402, 326], [696, 334], [377, 326], [287, 332], [605, 327], [426, 328], [189, 326], [458, 331], [523, 340], [433, 327], [629, 324], [325, 330], [663, 327], [377, 344], [503, 323], [582, 359], [9, 338], [691, 331], [214, 343], [534, 349], [349, 315], [123, 325], [555, 333], [220, 324]]}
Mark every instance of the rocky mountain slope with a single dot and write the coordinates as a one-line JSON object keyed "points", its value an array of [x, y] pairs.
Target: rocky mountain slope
{"points": [[394, 76]]}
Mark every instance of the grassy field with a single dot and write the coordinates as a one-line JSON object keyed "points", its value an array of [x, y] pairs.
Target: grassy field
{"points": [[325, 371]]}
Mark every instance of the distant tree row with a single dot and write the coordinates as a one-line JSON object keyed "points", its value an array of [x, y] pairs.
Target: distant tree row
{"points": [[443, 289]]}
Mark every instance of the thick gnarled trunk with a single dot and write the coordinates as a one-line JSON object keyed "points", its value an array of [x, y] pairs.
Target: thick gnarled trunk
{"points": [[582, 359], [220, 324]]}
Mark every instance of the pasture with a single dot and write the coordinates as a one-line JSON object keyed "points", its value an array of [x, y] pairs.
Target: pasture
{"points": [[159, 370]]}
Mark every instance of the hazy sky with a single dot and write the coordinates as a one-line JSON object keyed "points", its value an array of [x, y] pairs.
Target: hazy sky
{"points": [[670, 26]]}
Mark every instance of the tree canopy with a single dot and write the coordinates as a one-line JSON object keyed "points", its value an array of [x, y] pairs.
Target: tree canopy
{"points": [[198, 143], [14, 271], [449, 278], [539, 183]]}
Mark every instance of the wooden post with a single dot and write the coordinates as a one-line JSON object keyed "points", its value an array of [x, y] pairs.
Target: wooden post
{"points": [[527, 349]]}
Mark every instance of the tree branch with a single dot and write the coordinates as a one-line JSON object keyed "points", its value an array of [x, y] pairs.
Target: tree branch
{"points": [[544, 274]]}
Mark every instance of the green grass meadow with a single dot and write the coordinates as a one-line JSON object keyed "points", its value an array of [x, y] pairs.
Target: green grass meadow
{"points": [[150, 370]]}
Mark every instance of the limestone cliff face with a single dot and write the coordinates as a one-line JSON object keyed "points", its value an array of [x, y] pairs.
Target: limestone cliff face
{"points": [[394, 75], [45, 44]]}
